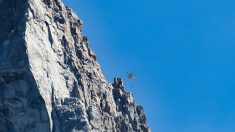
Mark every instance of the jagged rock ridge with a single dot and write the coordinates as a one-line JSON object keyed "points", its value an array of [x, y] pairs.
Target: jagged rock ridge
{"points": [[49, 78]]}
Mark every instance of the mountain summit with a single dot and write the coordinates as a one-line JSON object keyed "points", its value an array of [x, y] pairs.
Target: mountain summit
{"points": [[49, 78]]}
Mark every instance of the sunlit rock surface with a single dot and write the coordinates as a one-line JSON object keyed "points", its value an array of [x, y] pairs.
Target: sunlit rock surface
{"points": [[49, 78]]}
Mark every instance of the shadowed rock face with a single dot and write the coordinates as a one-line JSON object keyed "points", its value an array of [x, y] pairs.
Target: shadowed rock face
{"points": [[49, 78]]}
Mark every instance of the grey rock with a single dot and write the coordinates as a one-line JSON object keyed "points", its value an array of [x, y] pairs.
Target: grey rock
{"points": [[50, 80]]}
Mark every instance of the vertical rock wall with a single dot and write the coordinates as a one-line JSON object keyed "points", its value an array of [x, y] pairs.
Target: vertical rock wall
{"points": [[49, 78]]}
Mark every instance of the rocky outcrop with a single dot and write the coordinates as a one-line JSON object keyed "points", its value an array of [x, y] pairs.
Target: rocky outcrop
{"points": [[49, 78]]}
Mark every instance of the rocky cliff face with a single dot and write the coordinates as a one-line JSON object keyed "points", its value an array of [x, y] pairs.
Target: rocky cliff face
{"points": [[49, 78]]}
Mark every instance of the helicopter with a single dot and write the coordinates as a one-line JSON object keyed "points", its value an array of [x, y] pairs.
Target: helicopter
{"points": [[131, 75]]}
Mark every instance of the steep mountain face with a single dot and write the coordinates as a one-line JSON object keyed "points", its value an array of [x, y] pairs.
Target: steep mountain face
{"points": [[49, 78]]}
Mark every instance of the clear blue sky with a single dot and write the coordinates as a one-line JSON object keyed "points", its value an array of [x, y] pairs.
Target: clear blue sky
{"points": [[182, 52]]}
